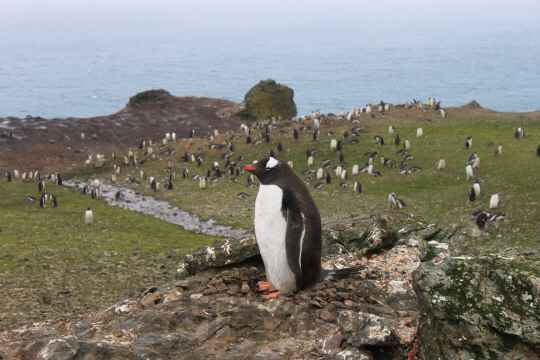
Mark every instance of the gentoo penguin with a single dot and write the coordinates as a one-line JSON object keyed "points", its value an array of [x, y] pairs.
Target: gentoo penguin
{"points": [[88, 217], [498, 151], [355, 169], [393, 201], [397, 141], [95, 193], [295, 133], [41, 185], [477, 189], [357, 187], [494, 201], [391, 130], [472, 194], [58, 180], [441, 164], [202, 183], [538, 151], [407, 145], [519, 133], [419, 133], [54, 203], [469, 171], [333, 144], [481, 219], [379, 139], [468, 142], [43, 200], [288, 230], [8, 176]]}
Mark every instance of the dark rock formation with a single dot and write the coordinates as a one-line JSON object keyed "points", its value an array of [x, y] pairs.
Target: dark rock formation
{"points": [[268, 99], [479, 308], [150, 97]]}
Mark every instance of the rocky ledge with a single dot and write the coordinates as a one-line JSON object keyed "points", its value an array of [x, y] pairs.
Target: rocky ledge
{"points": [[214, 311]]}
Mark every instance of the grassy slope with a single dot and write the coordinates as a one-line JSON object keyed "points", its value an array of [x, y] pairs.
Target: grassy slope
{"points": [[50, 253], [440, 196]]}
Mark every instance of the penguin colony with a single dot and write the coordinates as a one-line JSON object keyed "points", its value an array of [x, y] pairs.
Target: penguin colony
{"points": [[259, 132]]}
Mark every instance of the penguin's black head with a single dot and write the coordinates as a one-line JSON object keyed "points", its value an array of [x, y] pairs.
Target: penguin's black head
{"points": [[267, 169], [88, 208]]}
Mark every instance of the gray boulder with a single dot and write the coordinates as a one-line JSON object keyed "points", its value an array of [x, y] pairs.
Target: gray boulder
{"points": [[484, 307]]}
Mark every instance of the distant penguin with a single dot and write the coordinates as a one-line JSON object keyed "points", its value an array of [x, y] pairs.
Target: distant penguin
{"points": [[288, 230], [498, 151], [43, 200], [59, 180], [341, 157], [357, 187], [468, 142], [379, 139], [333, 144], [8, 176], [54, 203], [477, 189], [441, 164], [310, 160], [344, 174], [342, 185], [443, 113], [419, 133], [192, 134], [476, 163], [472, 195], [494, 201], [469, 171], [156, 186], [320, 174], [316, 124], [119, 195], [86, 190], [202, 183], [393, 201], [16, 174], [295, 134], [397, 141], [407, 145], [355, 169], [316, 135], [391, 130], [82, 137], [327, 178], [339, 147], [481, 219], [538, 151], [97, 183], [143, 175], [95, 193], [338, 171], [41, 185], [519, 133], [280, 146], [88, 217]]}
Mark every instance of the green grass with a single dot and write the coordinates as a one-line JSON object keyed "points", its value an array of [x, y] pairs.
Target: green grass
{"points": [[439, 196], [51, 253]]}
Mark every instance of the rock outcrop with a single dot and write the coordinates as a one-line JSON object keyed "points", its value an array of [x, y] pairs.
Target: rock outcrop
{"points": [[469, 307], [483, 307], [268, 99], [150, 97]]}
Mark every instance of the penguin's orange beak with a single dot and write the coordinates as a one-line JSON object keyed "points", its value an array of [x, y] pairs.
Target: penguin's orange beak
{"points": [[249, 168]]}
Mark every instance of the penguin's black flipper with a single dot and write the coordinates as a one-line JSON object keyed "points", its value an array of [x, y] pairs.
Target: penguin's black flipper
{"points": [[338, 274], [293, 240]]}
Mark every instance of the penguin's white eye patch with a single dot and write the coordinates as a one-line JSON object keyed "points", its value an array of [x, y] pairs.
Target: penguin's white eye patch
{"points": [[271, 163]]}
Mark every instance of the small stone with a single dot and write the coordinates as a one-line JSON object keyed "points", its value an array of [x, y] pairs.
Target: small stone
{"points": [[183, 284], [171, 296], [233, 290], [245, 288], [327, 316], [151, 289], [150, 300]]}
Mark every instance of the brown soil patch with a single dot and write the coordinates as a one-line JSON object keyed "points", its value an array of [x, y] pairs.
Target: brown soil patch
{"points": [[41, 144]]}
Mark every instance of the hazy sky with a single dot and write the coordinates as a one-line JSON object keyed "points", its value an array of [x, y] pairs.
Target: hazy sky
{"points": [[258, 12]]}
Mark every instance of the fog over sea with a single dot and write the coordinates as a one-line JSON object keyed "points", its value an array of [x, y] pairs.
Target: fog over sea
{"points": [[82, 59]]}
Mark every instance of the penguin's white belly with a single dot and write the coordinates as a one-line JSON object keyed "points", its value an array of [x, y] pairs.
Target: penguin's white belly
{"points": [[271, 229]]}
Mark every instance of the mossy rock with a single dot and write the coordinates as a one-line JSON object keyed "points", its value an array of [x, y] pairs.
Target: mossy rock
{"points": [[268, 99], [150, 97], [483, 307]]}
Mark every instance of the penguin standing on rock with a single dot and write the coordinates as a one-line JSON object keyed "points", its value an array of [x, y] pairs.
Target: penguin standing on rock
{"points": [[288, 230]]}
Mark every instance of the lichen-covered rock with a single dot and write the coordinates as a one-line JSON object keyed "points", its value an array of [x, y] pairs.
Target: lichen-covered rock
{"points": [[268, 99], [362, 329], [220, 253], [479, 308], [150, 97], [363, 234]]}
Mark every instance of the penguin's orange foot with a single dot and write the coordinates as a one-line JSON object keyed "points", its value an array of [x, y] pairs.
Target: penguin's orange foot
{"points": [[273, 295], [263, 285]]}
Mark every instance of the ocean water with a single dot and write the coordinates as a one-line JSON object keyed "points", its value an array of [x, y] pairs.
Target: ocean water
{"points": [[70, 68]]}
